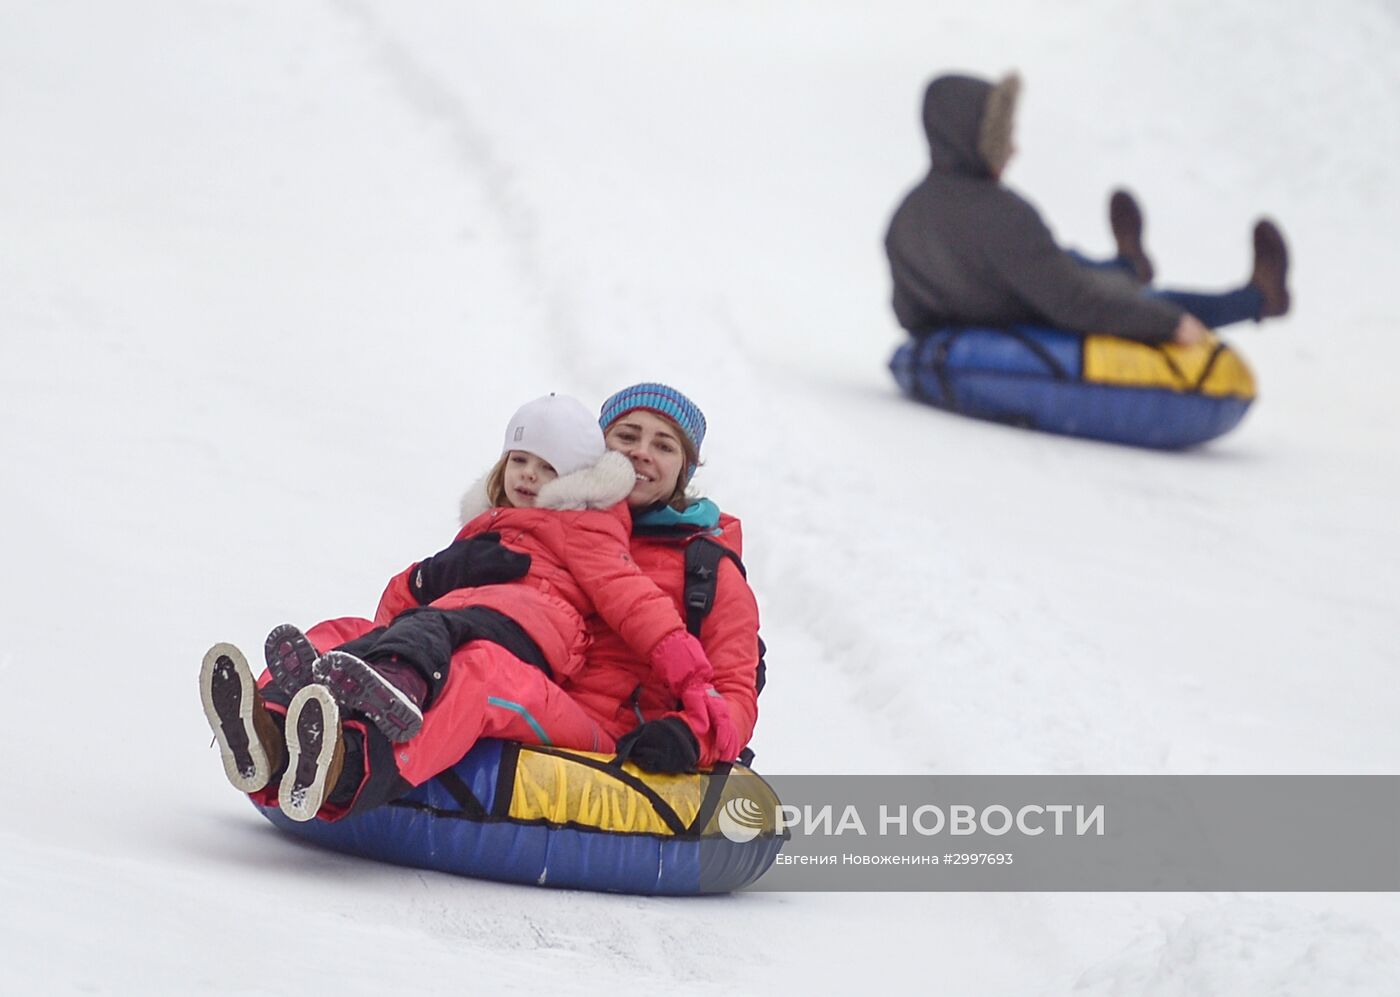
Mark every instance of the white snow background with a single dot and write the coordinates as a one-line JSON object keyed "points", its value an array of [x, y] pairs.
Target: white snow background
{"points": [[274, 275]]}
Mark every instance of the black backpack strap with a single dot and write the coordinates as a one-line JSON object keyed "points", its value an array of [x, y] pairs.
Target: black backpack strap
{"points": [[702, 557]]}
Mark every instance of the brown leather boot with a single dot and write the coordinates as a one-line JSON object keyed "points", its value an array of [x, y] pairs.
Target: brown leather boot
{"points": [[1125, 219], [315, 753], [252, 747], [1271, 269]]}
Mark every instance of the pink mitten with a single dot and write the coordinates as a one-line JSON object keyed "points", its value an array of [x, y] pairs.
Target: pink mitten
{"points": [[680, 662], [707, 712]]}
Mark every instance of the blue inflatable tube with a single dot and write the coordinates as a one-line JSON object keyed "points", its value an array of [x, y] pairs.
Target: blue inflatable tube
{"points": [[1098, 387], [572, 819]]}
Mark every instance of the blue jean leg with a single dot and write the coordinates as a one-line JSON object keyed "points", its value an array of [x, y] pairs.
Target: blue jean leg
{"points": [[1216, 310]]}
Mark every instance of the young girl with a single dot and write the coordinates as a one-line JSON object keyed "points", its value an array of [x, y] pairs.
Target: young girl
{"points": [[558, 495]]}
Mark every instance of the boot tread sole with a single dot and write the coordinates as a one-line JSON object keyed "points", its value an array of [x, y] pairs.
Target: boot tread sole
{"points": [[357, 686], [229, 695], [311, 718], [290, 657]]}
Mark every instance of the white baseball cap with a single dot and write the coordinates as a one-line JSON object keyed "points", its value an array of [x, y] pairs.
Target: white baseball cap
{"points": [[558, 429]]}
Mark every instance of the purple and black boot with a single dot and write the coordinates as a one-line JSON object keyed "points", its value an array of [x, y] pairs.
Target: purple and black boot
{"points": [[289, 656], [390, 693]]}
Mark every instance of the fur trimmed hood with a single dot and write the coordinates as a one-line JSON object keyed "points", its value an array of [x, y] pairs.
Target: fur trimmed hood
{"points": [[970, 122], [994, 137], [599, 486]]}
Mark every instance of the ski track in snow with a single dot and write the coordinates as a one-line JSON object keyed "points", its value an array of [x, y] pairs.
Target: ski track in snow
{"points": [[295, 267], [430, 97]]}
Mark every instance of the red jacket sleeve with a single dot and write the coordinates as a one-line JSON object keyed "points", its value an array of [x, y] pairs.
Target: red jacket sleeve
{"points": [[597, 554], [397, 597]]}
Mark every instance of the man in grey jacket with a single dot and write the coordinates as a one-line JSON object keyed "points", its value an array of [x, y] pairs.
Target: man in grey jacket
{"points": [[965, 250]]}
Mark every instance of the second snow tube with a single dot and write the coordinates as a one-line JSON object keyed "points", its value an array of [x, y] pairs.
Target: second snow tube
{"points": [[1099, 387], [556, 817]]}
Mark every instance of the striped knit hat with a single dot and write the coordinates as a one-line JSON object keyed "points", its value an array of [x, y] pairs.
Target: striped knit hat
{"points": [[663, 400]]}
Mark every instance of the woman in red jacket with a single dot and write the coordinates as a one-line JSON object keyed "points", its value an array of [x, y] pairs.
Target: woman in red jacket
{"points": [[660, 431], [500, 681]]}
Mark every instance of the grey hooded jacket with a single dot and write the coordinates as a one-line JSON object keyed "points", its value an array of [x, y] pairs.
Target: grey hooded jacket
{"points": [[965, 250]]}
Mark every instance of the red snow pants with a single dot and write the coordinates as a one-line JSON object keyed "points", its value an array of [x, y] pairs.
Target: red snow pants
{"points": [[489, 693]]}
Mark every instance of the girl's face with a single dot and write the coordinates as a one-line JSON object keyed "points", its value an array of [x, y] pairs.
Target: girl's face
{"points": [[524, 476], [651, 444]]}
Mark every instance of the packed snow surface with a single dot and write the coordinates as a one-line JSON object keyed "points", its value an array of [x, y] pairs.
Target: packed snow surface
{"points": [[274, 276]]}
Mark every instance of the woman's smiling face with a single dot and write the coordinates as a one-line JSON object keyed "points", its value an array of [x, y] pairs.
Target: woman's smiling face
{"points": [[653, 445]]}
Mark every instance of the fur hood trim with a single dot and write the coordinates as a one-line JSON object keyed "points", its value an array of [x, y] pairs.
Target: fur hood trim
{"points": [[969, 123], [998, 122], [599, 486]]}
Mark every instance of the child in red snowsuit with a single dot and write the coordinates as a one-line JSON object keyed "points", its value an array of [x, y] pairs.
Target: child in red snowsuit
{"points": [[556, 495]]}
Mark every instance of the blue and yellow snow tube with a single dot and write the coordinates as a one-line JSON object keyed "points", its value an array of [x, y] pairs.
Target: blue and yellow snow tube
{"points": [[553, 817], [1100, 387]]}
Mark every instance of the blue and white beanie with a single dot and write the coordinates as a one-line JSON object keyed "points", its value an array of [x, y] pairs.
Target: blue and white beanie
{"points": [[664, 400]]}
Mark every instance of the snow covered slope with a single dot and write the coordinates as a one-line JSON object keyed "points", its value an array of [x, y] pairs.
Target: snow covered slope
{"points": [[274, 276]]}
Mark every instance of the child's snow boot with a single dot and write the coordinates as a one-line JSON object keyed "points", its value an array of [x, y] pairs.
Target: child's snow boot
{"points": [[315, 753], [289, 656], [390, 692], [253, 748]]}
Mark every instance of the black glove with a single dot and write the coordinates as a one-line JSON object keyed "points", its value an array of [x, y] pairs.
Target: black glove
{"points": [[478, 560], [664, 745]]}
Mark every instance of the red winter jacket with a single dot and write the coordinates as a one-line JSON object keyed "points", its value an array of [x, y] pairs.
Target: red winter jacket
{"points": [[618, 686], [579, 566]]}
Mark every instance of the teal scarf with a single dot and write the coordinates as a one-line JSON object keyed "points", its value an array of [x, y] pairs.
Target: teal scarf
{"points": [[701, 515]]}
